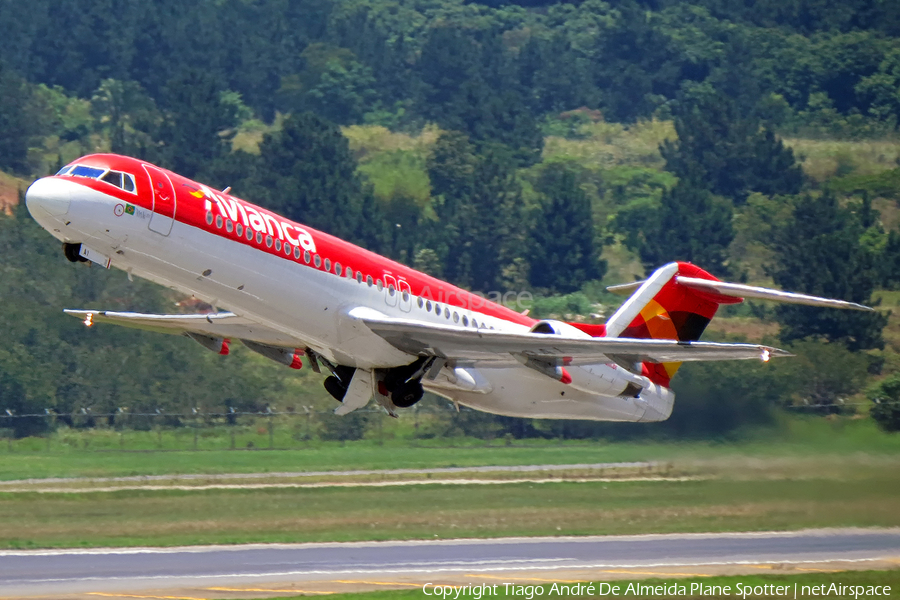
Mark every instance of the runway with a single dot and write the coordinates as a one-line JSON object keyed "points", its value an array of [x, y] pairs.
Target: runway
{"points": [[104, 572]]}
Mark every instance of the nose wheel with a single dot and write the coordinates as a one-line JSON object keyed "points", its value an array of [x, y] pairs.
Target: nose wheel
{"points": [[73, 253]]}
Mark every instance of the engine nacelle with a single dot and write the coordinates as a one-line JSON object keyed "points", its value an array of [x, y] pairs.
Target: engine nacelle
{"points": [[553, 327], [607, 379]]}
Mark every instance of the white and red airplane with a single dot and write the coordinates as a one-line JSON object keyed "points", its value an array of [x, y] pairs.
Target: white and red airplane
{"points": [[380, 328]]}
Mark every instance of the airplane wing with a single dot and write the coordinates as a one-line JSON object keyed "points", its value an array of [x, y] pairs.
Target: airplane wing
{"points": [[488, 348], [216, 325]]}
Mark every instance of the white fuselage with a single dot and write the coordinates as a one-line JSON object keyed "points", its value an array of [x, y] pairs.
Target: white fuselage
{"points": [[312, 305]]}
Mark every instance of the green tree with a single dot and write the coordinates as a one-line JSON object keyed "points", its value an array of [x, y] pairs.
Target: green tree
{"points": [[470, 84], [127, 115], [16, 130], [563, 251], [818, 252], [306, 172], [886, 403], [197, 128], [689, 224], [332, 84], [637, 67], [451, 170], [496, 235], [477, 199], [727, 150]]}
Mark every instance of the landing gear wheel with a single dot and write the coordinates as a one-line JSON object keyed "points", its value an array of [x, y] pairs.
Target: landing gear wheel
{"points": [[334, 387], [72, 253], [407, 394]]}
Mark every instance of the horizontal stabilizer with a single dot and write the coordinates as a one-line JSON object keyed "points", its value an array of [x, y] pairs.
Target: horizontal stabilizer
{"points": [[498, 349], [738, 290]]}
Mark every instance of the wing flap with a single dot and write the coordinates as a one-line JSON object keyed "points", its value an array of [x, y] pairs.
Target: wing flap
{"points": [[490, 348], [222, 324]]}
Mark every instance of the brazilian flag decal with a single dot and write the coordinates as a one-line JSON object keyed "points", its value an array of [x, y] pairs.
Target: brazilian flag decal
{"points": [[129, 208]]}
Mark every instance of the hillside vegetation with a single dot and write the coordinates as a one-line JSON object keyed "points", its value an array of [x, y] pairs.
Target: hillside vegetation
{"points": [[544, 146]]}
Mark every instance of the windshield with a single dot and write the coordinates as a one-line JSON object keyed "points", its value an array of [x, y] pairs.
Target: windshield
{"points": [[83, 171]]}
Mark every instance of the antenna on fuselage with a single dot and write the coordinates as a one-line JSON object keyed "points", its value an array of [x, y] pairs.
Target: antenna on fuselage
{"points": [[226, 190]]}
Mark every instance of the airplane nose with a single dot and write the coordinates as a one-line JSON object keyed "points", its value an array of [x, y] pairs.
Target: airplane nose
{"points": [[49, 197]]}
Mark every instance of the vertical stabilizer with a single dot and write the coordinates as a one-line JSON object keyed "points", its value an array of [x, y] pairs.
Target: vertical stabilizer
{"points": [[663, 309]]}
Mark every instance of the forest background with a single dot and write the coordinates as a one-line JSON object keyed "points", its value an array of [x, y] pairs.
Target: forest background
{"points": [[552, 147]]}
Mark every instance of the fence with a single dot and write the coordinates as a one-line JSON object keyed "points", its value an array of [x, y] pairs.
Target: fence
{"points": [[230, 429]]}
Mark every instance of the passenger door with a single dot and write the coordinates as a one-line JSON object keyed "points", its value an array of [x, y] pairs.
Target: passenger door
{"points": [[163, 201]]}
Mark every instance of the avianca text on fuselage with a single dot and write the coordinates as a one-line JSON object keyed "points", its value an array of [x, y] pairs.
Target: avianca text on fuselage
{"points": [[249, 216]]}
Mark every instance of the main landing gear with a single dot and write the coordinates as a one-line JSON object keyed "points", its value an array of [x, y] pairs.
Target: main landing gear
{"points": [[402, 384]]}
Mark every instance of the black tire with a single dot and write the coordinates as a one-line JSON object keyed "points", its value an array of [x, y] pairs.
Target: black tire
{"points": [[72, 253], [345, 374], [407, 394], [335, 388]]}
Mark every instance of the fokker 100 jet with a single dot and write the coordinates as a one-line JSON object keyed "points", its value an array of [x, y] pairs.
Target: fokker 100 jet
{"points": [[379, 329]]}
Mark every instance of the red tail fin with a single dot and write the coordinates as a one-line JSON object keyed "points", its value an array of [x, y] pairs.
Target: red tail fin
{"points": [[664, 309]]}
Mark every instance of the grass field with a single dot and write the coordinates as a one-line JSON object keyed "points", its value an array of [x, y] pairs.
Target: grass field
{"points": [[728, 585], [748, 496], [804, 472]]}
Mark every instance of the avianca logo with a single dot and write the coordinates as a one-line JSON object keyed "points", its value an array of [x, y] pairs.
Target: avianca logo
{"points": [[261, 222]]}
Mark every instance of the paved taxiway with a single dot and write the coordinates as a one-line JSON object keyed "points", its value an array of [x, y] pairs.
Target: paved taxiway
{"points": [[48, 572]]}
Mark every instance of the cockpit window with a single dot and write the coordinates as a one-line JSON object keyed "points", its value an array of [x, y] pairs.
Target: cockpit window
{"points": [[113, 177], [84, 171], [123, 181]]}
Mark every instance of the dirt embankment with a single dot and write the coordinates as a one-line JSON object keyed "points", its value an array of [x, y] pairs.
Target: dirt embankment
{"points": [[9, 191]]}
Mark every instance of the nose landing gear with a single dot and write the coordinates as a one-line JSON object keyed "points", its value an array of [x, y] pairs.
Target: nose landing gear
{"points": [[73, 252]]}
